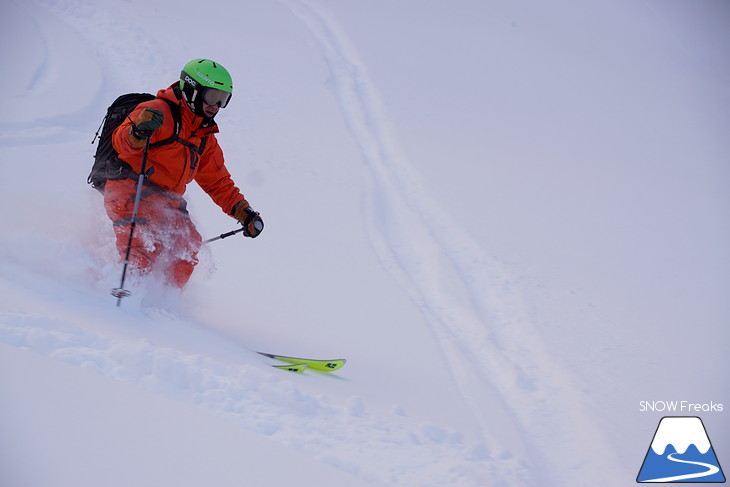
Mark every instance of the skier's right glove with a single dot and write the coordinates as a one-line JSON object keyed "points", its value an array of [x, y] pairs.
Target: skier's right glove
{"points": [[149, 120]]}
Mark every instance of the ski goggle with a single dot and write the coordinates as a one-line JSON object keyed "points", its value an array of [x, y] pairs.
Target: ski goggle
{"points": [[213, 96]]}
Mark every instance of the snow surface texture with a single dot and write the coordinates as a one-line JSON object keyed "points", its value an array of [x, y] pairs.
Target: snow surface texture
{"points": [[511, 219]]}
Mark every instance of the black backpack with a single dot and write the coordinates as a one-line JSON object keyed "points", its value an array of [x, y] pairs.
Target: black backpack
{"points": [[107, 164]]}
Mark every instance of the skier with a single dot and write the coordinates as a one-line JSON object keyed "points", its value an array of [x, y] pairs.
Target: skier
{"points": [[164, 237]]}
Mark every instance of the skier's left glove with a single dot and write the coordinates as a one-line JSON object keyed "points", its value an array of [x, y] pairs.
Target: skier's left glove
{"points": [[251, 220]]}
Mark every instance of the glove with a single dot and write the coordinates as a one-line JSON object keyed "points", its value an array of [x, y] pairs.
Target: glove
{"points": [[149, 120], [252, 222]]}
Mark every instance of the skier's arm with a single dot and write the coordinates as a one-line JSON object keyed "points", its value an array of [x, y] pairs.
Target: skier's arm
{"points": [[214, 178]]}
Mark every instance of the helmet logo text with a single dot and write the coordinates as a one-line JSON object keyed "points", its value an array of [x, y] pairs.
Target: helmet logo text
{"points": [[205, 78]]}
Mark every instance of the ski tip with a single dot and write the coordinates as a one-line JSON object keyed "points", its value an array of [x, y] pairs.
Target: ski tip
{"points": [[329, 365], [298, 368]]}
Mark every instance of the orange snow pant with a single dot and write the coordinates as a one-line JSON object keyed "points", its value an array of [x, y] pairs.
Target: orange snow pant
{"points": [[165, 239]]}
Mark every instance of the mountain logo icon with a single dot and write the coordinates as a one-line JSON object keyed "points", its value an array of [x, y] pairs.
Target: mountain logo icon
{"points": [[680, 452]]}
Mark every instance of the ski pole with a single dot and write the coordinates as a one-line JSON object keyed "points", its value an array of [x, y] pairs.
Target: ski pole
{"points": [[120, 292], [224, 235]]}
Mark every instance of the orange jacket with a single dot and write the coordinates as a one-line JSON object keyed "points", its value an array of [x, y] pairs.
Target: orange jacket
{"points": [[175, 165]]}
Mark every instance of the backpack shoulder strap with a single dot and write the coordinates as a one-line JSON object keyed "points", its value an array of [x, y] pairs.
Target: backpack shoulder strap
{"points": [[175, 137], [202, 144]]}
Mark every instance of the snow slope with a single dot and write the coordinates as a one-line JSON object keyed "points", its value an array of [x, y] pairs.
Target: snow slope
{"points": [[510, 218]]}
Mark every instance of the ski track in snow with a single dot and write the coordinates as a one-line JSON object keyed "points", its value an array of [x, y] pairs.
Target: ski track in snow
{"points": [[486, 335]]}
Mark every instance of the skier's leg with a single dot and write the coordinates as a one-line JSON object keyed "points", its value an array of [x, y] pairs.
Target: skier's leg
{"points": [[183, 245], [119, 204]]}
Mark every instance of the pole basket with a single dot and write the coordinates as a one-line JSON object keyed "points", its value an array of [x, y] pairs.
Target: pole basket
{"points": [[120, 293]]}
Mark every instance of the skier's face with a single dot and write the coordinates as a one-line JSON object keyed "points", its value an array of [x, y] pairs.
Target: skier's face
{"points": [[210, 110]]}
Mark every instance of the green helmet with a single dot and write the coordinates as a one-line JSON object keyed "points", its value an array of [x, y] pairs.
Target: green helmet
{"points": [[203, 80]]}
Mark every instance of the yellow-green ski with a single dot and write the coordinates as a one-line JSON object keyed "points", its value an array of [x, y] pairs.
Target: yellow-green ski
{"points": [[314, 364], [299, 368]]}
